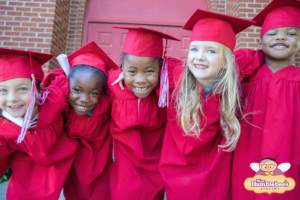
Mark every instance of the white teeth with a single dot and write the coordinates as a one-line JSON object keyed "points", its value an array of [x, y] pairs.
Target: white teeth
{"points": [[16, 106], [279, 46], [201, 66], [82, 107], [141, 89]]}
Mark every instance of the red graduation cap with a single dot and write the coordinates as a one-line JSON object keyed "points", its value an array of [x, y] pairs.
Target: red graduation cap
{"points": [[279, 13], [16, 64], [211, 26], [91, 54], [144, 42]]}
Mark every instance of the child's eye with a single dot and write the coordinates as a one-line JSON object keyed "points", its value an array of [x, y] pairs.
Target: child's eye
{"points": [[131, 72], [193, 49], [149, 71], [94, 94], [271, 34], [211, 51], [3, 91], [291, 33], [22, 89], [76, 90]]}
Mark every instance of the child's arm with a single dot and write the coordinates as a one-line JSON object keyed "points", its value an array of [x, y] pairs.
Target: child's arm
{"points": [[5, 156], [49, 142], [247, 61]]}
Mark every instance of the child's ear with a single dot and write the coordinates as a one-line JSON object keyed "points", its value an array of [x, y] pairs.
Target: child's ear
{"points": [[259, 43], [41, 86]]}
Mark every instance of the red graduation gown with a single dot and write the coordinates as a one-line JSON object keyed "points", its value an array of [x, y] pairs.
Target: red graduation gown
{"points": [[89, 175], [137, 127], [196, 168], [274, 100], [41, 162]]}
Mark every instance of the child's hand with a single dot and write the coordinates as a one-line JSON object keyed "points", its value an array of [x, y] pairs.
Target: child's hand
{"points": [[119, 80], [41, 86]]}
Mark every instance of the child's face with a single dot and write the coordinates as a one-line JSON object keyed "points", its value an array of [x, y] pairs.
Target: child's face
{"points": [[15, 96], [85, 91], [203, 61], [280, 43], [268, 166], [141, 74]]}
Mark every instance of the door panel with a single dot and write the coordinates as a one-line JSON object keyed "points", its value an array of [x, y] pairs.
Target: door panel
{"points": [[111, 40]]}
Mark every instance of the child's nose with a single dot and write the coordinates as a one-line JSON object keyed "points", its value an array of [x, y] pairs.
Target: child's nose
{"points": [[140, 78], [12, 97], [84, 98]]}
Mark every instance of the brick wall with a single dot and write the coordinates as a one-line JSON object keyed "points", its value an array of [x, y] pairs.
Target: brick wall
{"points": [[60, 31], [76, 25], [27, 25], [217, 6]]}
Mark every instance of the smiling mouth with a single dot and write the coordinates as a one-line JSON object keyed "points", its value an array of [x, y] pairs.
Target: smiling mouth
{"points": [[279, 46], [141, 89], [82, 108], [16, 107], [200, 66]]}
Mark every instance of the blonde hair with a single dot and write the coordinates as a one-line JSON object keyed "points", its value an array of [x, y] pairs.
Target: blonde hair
{"points": [[189, 102]]}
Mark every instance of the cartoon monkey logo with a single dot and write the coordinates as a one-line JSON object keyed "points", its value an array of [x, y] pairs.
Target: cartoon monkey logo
{"points": [[269, 166]]}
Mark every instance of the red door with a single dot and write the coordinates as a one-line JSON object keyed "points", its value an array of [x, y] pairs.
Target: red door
{"points": [[167, 16]]}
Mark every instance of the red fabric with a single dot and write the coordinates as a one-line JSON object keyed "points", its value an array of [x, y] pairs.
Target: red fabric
{"points": [[91, 54], [137, 127], [278, 14], [89, 176], [144, 42], [207, 26], [196, 168], [272, 102], [16, 64], [46, 154]]}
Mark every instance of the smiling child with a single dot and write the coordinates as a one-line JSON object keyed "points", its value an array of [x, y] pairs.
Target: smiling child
{"points": [[138, 124], [272, 95], [87, 120], [202, 127], [41, 156]]}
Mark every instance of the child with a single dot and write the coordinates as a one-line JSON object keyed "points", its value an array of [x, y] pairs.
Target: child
{"points": [[138, 124], [87, 121], [202, 127], [272, 99], [43, 154]]}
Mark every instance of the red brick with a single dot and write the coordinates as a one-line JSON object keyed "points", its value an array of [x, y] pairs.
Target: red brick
{"points": [[262, 1], [23, 9], [38, 19], [45, 25], [12, 33], [246, 10], [12, 23], [28, 34], [5, 38], [15, 3], [35, 50], [29, 24], [23, 19], [47, 15], [35, 39], [5, 28], [43, 1], [31, 14], [27, 44], [253, 35], [48, 5], [256, 5], [252, 45], [39, 10], [44, 45], [14, 13], [6, 18], [37, 30], [32, 4], [20, 29], [6, 8], [44, 35], [48, 40], [3, 3], [10, 43], [19, 39]]}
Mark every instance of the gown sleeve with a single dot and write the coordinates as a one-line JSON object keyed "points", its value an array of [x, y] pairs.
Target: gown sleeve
{"points": [[247, 62]]}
